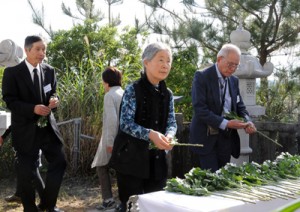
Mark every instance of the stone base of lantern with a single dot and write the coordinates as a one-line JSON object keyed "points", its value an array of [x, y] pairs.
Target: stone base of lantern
{"points": [[4, 121], [245, 149]]}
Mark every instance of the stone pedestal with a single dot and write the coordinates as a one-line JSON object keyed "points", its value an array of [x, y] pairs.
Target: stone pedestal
{"points": [[247, 72], [4, 121], [245, 149], [248, 93]]}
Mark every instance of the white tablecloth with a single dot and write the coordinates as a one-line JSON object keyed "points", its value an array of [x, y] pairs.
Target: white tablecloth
{"points": [[164, 201]]}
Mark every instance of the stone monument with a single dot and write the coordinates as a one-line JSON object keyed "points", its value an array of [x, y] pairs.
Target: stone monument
{"points": [[10, 55], [247, 72]]}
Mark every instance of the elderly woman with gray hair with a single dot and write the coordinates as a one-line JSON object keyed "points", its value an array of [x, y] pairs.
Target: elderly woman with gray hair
{"points": [[147, 116]]}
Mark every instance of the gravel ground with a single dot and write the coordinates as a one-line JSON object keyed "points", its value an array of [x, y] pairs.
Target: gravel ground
{"points": [[76, 195]]}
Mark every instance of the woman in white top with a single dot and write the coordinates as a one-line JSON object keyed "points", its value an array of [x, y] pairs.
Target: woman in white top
{"points": [[112, 78]]}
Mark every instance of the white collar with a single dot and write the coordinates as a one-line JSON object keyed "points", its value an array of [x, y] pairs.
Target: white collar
{"points": [[219, 73], [31, 67]]}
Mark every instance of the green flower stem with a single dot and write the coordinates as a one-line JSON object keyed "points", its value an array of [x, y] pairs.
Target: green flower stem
{"points": [[287, 188], [174, 142], [233, 115], [187, 144], [234, 197], [275, 142], [275, 193]]}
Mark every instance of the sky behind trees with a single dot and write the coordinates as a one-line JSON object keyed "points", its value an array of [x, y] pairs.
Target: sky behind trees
{"points": [[16, 16]]}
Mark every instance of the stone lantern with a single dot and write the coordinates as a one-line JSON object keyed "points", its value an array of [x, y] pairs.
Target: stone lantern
{"points": [[10, 55], [247, 72]]}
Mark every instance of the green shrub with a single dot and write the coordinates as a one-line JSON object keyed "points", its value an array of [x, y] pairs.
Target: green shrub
{"points": [[7, 158]]}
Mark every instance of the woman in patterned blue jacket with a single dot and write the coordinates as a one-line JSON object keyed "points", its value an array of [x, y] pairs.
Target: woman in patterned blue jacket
{"points": [[147, 116]]}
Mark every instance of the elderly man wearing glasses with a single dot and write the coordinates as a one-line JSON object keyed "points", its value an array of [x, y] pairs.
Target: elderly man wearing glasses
{"points": [[215, 94]]}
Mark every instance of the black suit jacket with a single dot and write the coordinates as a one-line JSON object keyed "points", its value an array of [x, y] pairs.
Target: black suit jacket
{"points": [[18, 93], [207, 110]]}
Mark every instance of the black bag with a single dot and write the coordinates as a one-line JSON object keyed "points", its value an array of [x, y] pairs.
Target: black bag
{"points": [[130, 156]]}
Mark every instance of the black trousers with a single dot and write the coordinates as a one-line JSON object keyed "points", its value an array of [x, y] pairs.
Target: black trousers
{"points": [[129, 185], [26, 167], [38, 180], [220, 154]]}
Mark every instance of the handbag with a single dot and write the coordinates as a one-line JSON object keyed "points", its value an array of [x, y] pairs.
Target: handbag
{"points": [[130, 156]]}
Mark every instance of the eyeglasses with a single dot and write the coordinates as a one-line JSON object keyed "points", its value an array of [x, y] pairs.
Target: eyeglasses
{"points": [[231, 64]]}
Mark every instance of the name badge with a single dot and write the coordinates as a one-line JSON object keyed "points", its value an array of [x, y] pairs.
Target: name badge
{"points": [[47, 88]]}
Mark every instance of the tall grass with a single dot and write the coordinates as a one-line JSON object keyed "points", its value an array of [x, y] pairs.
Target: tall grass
{"points": [[81, 96]]}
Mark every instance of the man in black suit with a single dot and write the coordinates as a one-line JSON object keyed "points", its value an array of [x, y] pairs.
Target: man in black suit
{"points": [[215, 93], [28, 94]]}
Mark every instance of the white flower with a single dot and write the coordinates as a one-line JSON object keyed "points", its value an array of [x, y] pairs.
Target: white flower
{"points": [[42, 121]]}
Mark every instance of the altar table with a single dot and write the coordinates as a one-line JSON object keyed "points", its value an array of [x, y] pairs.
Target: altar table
{"points": [[163, 201]]}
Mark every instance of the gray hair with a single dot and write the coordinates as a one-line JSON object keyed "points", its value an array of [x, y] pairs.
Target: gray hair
{"points": [[227, 49], [151, 50]]}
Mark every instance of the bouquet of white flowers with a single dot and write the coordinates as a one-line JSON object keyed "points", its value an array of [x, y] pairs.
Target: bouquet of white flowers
{"points": [[42, 121]]}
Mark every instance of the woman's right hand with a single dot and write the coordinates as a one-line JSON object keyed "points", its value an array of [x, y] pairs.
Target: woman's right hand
{"points": [[109, 149], [160, 140]]}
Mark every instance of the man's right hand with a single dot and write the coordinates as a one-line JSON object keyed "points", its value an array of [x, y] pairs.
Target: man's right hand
{"points": [[41, 110], [53, 102], [236, 124]]}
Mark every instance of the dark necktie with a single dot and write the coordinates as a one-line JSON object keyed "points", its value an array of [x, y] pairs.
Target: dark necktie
{"points": [[223, 88], [36, 83]]}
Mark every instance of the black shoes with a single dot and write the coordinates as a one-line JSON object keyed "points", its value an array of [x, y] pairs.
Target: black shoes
{"points": [[13, 198], [106, 205], [120, 208], [55, 209]]}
